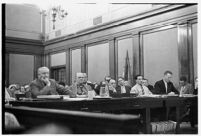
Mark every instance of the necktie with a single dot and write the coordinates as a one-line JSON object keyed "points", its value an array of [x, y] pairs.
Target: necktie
{"points": [[80, 91], [142, 90]]}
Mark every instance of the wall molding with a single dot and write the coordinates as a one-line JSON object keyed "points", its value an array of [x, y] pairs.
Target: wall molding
{"points": [[174, 14], [23, 46]]}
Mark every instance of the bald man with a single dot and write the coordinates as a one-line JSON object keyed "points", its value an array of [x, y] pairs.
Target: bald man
{"points": [[45, 86]]}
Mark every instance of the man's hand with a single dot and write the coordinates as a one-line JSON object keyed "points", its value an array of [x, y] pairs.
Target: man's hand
{"points": [[46, 81]]}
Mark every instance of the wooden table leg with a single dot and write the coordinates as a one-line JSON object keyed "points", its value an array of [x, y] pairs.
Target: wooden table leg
{"points": [[147, 121], [177, 119]]}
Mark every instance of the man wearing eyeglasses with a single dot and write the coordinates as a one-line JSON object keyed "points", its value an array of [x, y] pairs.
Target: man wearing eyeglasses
{"points": [[80, 88]]}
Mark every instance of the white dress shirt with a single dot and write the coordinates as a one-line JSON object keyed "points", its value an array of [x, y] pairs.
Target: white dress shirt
{"points": [[140, 90], [123, 89]]}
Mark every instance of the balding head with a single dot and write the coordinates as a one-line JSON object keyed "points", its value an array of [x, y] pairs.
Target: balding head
{"points": [[80, 78], [43, 72]]}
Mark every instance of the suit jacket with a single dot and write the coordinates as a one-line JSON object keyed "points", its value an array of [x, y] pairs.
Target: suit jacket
{"points": [[188, 89], [76, 90], [195, 92], [128, 89], [159, 88], [38, 87]]}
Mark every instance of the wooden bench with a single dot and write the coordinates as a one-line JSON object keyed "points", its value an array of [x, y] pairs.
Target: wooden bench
{"points": [[77, 122]]}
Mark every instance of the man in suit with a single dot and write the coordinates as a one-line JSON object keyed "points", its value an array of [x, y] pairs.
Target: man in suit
{"points": [[45, 86], [165, 86], [80, 88], [122, 88], [184, 86]]}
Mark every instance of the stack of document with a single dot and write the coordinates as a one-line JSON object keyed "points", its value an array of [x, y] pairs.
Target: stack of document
{"points": [[100, 97], [187, 95], [163, 127], [50, 97]]}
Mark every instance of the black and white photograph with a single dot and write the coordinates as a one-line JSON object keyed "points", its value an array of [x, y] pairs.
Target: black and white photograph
{"points": [[99, 67]]}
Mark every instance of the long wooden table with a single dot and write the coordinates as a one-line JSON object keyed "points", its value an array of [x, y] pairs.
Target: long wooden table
{"points": [[107, 105]]}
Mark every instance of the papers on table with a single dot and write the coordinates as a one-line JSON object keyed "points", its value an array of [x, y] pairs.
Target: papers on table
{"points": [[187, 95], [100, 97], [51, 97], [75, 99], [159, 96]]}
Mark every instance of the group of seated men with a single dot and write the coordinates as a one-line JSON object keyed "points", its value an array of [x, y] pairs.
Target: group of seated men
{"points": [[43, 85]]}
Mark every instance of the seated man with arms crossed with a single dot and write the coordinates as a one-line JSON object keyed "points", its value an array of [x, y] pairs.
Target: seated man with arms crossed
{"points": [[45, 86]]}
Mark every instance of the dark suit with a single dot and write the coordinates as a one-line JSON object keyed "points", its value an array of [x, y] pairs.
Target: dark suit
{"points": [[128, 89], [159, 88], [37, 87]]}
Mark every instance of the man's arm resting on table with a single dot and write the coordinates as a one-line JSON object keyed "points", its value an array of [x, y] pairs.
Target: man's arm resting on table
{"points": [[36, 91]]}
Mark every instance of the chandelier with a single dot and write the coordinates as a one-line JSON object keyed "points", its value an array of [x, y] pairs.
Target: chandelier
{"points": [[57, 13]]}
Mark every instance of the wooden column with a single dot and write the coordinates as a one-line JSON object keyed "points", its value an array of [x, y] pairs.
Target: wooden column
{"points": [[190, 51], [83, 59], [136, 55], [47, 60], [183, 55], [140, 55], [112, 62], [68, 66]]}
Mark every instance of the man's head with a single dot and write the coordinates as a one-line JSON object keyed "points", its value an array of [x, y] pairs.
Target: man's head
{"points": [[167, 76], [139, 79], [43, 72], [107, 79], [112, 83], [121, 81], [80, 78], [182, 80], [145, 82]]}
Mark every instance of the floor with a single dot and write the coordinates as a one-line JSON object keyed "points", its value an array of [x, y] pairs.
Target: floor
{"points": [[185, 128]]}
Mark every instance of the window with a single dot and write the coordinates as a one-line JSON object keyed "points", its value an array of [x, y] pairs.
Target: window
{"points": [[160, 53], [59, 74], [125, 59], [58, 69], [75, 63], [98, 62]]}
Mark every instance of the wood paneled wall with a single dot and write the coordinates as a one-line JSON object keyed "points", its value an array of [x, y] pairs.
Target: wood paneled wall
{"points": [[24, 47]]}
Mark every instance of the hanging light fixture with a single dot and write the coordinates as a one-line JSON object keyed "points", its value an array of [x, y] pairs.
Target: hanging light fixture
{"points": [[57, 13]]}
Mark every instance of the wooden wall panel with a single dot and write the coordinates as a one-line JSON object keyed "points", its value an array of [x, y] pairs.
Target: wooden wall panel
{"points": [[183, 51]]}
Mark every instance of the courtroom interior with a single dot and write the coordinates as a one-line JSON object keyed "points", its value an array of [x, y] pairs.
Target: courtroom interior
{"points": [[100, 68]]}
